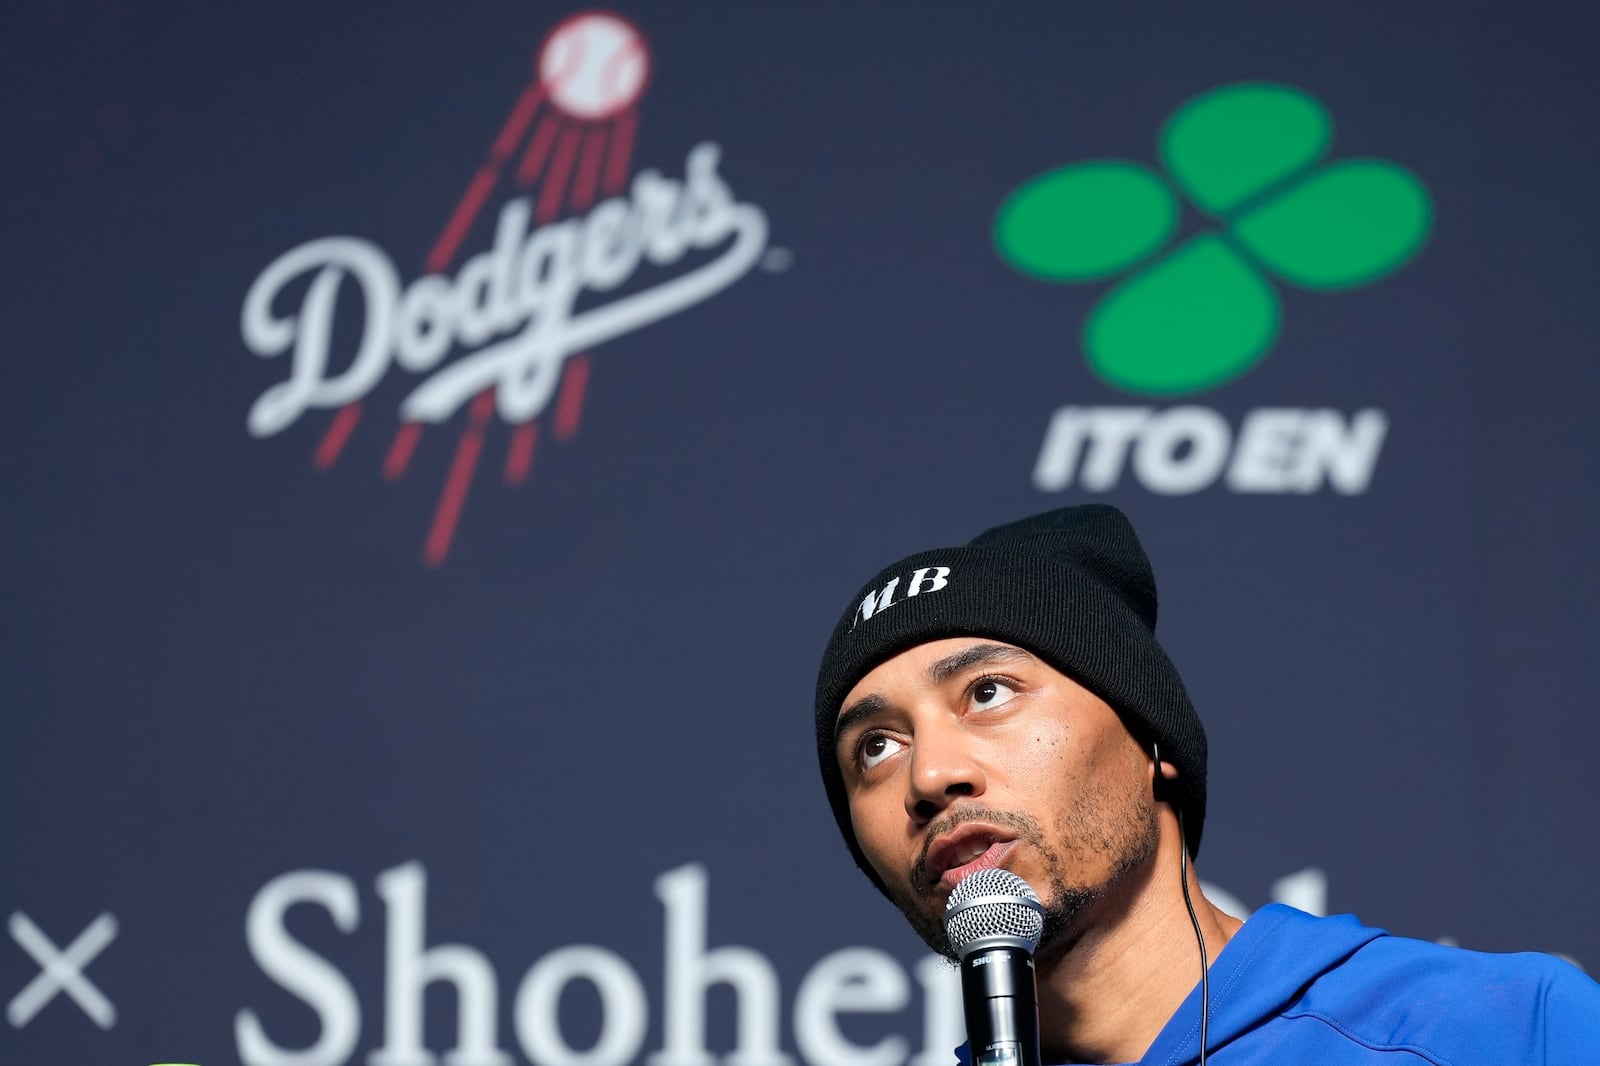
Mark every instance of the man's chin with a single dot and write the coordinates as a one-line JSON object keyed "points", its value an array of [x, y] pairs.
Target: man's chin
{"points": [[1064, 920]]}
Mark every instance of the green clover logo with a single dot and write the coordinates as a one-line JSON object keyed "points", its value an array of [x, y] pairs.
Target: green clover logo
{"points": [[1249, 156]]}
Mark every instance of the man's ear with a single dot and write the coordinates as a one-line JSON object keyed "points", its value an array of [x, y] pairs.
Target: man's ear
{"points": [[1161, 776]]}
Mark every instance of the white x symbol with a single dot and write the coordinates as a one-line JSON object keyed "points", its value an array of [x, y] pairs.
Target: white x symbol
{"points": [[62, 971]]}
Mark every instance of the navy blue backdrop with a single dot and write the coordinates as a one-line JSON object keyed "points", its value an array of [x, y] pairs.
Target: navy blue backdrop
{"points": [[439, 440]]}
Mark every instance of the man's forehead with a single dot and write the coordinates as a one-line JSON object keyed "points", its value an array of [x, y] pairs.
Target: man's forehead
{"points": [[936, 661]]}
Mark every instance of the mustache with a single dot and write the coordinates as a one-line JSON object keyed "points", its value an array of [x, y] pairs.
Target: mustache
{"points": [[1024, 825]]}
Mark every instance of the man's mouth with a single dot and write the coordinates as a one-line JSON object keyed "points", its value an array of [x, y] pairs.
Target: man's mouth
{"points": [[965, 850]]}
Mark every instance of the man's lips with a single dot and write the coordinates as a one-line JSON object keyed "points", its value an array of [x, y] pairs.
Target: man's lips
{"points": [[964, 850]]}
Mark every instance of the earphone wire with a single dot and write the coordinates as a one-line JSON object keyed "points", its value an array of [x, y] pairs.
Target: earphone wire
{"points": [[1194, 919], [1200, 938]]}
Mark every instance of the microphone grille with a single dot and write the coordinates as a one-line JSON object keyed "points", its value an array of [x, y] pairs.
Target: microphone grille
{"points": [[992, 905]]}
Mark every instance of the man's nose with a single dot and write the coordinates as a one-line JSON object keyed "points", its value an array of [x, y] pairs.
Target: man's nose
{"points": [[943, 768]]}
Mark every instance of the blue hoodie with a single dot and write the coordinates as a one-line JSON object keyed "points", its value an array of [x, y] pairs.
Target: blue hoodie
{"points": [[1290, 989]]}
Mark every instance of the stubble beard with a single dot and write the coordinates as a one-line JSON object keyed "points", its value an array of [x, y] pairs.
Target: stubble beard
{"points": [[1102, 833]]}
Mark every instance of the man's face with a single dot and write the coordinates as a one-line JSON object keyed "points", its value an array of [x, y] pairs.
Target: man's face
{"points": [[969, 753]]}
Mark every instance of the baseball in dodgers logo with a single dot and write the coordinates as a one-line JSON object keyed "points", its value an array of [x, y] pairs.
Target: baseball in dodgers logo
{"points": [[505, 332]]}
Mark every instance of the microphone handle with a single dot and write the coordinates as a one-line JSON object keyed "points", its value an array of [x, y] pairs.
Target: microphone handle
{"points": [[1002, 1007]]}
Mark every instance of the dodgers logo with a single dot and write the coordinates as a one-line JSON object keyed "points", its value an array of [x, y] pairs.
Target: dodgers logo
{"points": [[501, 335]]}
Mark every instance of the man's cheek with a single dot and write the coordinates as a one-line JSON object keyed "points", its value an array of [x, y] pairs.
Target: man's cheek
{"points": [[891, 869]]}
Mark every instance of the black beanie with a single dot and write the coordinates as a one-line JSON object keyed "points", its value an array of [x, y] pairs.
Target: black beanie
{"points": [[1073, 587]]}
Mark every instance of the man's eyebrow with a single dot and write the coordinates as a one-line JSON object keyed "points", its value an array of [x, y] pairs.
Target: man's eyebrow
{"points": [[868, 707], [976, 655], [857, 713]]}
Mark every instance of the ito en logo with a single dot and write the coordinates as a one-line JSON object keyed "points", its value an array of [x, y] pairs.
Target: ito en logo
{"points": [[581, 250], [1184, 317]]}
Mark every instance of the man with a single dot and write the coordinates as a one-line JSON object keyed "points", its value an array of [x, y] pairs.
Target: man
{"points": [[1006, 704]]}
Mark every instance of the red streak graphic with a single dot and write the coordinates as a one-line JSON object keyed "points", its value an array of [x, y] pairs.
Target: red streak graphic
{"points": [[555, 183], [594, 149], [333, 441], [519, 458], [399, 457], [456, 484], [569, 405], [511, 132], [538, 150], [466, 211], [621, 151], [484, 181]]}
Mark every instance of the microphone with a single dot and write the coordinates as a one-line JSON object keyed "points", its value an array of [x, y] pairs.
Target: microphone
{"points": [[993, 920]]}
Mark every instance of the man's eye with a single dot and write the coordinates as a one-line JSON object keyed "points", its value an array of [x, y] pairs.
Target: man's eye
{"points": [[990, 693], [876, 748]]}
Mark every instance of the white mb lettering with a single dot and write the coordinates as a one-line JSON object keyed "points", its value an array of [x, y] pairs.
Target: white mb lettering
{"points": [[923, 579]]}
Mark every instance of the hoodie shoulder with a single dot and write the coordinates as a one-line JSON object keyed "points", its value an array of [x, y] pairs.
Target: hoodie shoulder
{"points": [[1290, 987], [1456, 1007]]}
